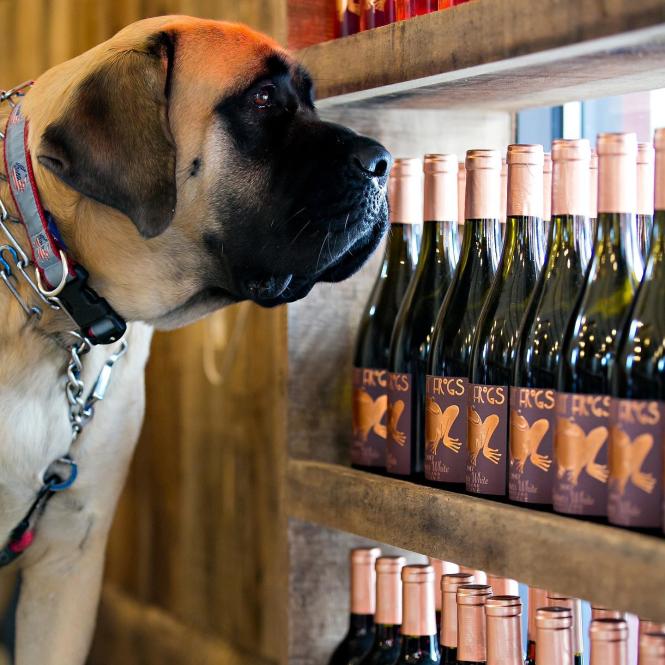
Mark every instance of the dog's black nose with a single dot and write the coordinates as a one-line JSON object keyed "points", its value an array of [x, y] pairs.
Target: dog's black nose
{"points": [[371, 158]]}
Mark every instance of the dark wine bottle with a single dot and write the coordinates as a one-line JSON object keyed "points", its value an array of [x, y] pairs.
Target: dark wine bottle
{"points": [[412, 334], [496, 338], [359, 638], [450, 356], [388, 618], [554, 636], [609, 642], [590, 344], [504, 629], [537, 599], [370, 365], [637, 432], [471, 624], [441, 568], [645, 185], [575, 607], [420, 642], [448, 639], [532, 413]]}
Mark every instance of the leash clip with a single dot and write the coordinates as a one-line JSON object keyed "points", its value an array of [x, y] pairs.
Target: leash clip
{"points": [[53, 480]]}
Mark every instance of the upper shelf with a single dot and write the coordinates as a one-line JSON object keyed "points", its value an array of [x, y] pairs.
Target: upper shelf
{"points": [[497, 54], [611, 567]]}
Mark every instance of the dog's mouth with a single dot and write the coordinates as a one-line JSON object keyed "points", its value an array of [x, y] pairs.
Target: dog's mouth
{"points": [[279, 289]]}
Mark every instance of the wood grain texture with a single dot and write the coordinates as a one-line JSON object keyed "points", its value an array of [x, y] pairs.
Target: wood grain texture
{"points": [[497, 54], [610, 567], [144, 635]]}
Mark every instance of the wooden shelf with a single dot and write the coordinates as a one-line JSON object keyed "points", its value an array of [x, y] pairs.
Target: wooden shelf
{"points": [[500, 54], [608, 566]]}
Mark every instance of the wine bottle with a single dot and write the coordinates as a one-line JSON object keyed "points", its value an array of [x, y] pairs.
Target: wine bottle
{"points": [[637, 432], [449, 585], [589, 230], [503, 586], [370, 370], [575, 607], [450, 356], [375, 14], [645, 196], [503, 202], [348, 21], [360, 635], [496, 337], [441, 568], [412, 334], [532, 413], [504, 630], [608, 642], [547, 192], [590, 343], [388, 617], [461, 198], [554, 636], [652, 649], [471, 626], [537, 599], [420, 643]]}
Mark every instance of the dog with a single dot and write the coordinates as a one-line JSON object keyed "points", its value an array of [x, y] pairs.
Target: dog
{"points": [[186, 169]]}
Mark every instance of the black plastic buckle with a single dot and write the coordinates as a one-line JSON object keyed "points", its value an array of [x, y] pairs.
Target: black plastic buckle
{"points": [[98, 321]]}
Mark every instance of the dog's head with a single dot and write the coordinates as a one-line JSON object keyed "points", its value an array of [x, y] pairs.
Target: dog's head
{"points": [[187, 168]]}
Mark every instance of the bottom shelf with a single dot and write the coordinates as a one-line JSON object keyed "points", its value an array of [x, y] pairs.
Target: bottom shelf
{"points": [[608, 566]]}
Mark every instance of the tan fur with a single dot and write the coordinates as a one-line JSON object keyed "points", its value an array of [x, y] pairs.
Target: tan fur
{"points": [[62, 571]]}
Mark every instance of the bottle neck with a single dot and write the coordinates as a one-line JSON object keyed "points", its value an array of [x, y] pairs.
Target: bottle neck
{"points": [[387, 633], [439, 242], [400, 248], [422, 646], [504, 640], [523, 243], [361, 624], [616, 236], [482, 237]]}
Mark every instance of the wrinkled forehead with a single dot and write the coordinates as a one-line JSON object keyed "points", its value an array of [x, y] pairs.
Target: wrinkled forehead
{"points": [[218, 61]]}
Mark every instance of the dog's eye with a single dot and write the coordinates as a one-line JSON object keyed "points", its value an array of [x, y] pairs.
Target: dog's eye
{"points": [[264, 97]]}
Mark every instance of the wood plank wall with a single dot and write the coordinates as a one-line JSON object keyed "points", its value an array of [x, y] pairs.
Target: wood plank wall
{"points": [[197, 553]]}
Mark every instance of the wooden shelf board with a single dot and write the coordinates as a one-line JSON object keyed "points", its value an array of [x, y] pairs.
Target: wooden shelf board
{"points": [[496, 54], [611, 567]]}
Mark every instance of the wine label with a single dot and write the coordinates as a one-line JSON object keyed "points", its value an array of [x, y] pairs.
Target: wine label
{"points": [[532, 425], [635, 488], [370, 406], [487, 439], [398, 449], [580, 454], [446, 405]]}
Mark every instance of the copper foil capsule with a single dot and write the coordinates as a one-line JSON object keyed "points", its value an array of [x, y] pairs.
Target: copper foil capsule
{"points": [[652, 649], [525, 180], [471, 626], [405, 191], [537, 599], [609, 642], [419, 615], [617, 172], [659, 143], [571, 161], [483, 184], [449, 585], [645, 178], [575, 605], [363, 580], [547, 186], [504, 630], [440, 188], [461, 191], [389, 590], [503, 586], [441, 568], [554, 636]]}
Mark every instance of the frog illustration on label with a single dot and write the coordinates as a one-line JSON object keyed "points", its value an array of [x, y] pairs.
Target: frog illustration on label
{"points": [[525, 440], [480, 435], [576, 451], [438, 424], [395, 410], [368, 414], [626, 458]]}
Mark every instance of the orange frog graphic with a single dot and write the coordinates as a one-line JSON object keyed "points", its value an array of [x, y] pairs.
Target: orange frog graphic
{"points": [[525, 440], [480, 435], [576, 451], [395, 411], [438, 425], [626, 458], [368, 414]]}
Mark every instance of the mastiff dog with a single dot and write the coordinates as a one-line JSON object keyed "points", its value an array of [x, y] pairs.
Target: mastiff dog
{"points": [[176, 168]]}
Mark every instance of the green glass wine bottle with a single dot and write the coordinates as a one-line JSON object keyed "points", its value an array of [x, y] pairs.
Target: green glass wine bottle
{"points": [[645, 194], [450, 356], [388, 618], [496, 338], [370, 365], [589, 347], [637, 432], [359, 638], [532, 413], [412, 334], [420, 642]]}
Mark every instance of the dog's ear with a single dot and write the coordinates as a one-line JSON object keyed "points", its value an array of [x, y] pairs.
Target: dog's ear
{"points": [[113, 142]]}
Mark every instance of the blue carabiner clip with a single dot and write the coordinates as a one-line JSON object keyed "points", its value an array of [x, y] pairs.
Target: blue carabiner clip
{"points": [[4, 264], [67, 482]]}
